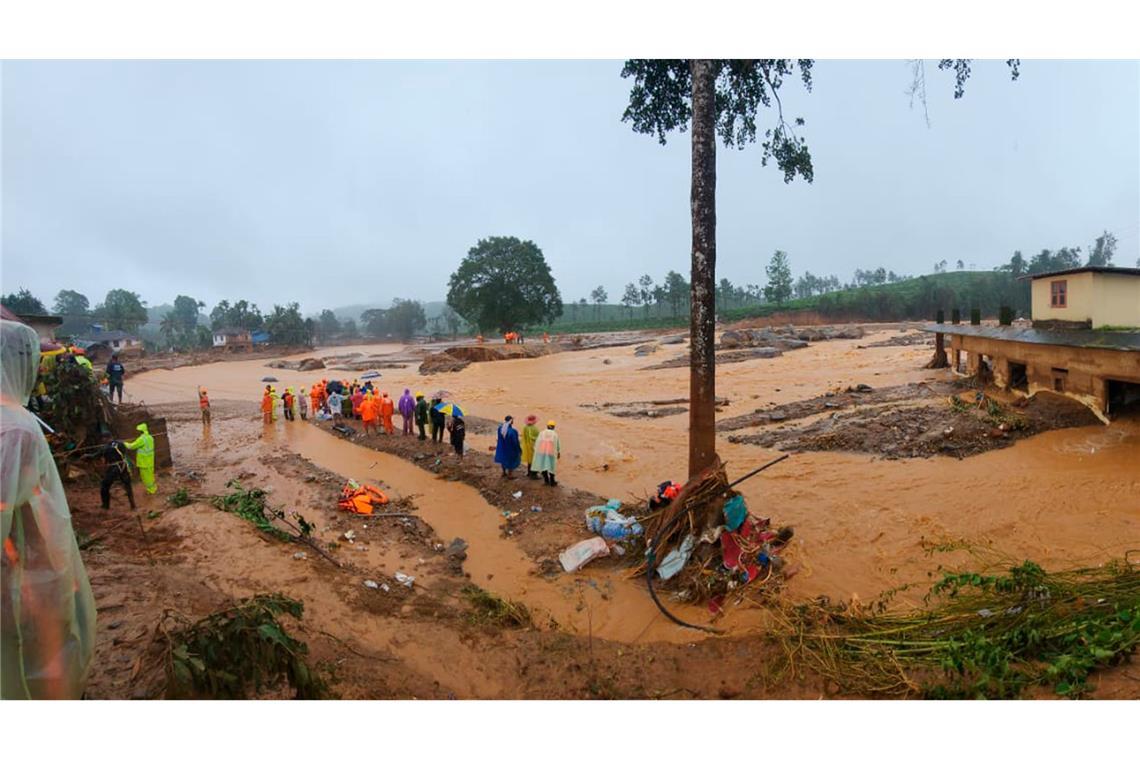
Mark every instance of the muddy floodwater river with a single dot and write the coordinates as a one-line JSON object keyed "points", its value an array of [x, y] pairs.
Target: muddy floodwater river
{"points": [[863, 523]]}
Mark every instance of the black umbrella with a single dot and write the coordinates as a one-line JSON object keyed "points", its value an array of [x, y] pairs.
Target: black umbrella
{"points": [[269, 379]]}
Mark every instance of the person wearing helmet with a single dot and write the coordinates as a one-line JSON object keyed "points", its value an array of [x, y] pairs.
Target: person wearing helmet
{"points": [[47, 611], [144, 458], [547, 452], [422, 412]]}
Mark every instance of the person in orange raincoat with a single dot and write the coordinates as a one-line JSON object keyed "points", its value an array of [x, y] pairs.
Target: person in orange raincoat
{"points": [[387, 407], [315, 397], [369, 413], [267, 406]]}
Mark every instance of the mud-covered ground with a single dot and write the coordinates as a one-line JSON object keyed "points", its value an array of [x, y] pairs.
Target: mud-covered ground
{"points": [[911, 421], [1062, 497]]}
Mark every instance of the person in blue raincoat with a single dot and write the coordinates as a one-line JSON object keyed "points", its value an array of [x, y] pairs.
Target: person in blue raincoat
{"points": [[508, 450]]}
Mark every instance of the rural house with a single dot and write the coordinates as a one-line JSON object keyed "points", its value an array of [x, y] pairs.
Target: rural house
{"points": [[1084, 341], [232, 339]]}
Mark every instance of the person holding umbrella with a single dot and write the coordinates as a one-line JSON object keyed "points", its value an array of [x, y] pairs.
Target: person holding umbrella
{"points": [[455, 426]]}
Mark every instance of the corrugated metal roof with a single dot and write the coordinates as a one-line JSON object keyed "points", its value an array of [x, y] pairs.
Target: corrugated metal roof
{"points": [[1108, 339]]}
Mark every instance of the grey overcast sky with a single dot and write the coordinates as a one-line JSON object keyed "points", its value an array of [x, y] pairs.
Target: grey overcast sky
{"points": [[332, 183]]}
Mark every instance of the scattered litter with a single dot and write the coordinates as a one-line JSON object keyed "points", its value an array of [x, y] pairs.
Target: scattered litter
{"points": [[619, 550], [734, 512], [300, 555], [405, 580], [985, 613], [371, 584], [536, 508], [517, 494], [384, 587], [349, 535], [583, 552]]}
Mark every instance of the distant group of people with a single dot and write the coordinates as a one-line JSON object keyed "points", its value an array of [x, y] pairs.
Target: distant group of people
{"points": [[339, 400], [540, 451]]}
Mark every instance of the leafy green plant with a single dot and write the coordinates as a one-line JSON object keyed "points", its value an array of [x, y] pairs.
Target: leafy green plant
{"points": [[488, 608], [251, 505], [981, 634], [238, 652], [179, 498]]}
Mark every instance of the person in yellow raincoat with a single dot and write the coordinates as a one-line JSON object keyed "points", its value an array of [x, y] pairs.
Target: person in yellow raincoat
{"points": [[144, 458], [47, 611], [529, 434]]}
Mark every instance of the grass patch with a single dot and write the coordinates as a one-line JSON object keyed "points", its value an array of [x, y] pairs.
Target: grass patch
{"points": [[179, 498], [489, 609]]}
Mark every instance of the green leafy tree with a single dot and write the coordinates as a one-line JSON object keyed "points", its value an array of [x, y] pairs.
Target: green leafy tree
{"points": [[779, 271], [23, 302], [676, 291], [598, 295], [405, 318], [122, 310], [631, 298], [349, 329], [1103, 250], [645, 290], [287, 327], [242, 315], [503, 284], [71, 303], [327, 325]]}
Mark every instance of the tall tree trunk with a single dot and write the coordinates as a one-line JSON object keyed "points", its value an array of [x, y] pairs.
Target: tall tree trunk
{"points": [[702, 304]]}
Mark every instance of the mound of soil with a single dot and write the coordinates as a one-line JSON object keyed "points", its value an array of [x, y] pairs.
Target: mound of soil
{"points": [[304, 365], [833, 401], [653, 409], [906, 339], [733, 339], [896, 432], [728, 357], [456, 358]]}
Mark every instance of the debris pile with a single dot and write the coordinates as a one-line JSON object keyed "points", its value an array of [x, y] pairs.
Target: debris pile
{"points": [[705, 547]]}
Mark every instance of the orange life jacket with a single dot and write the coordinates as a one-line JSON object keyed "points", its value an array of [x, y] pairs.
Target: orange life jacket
{"points": [[361, 500]]}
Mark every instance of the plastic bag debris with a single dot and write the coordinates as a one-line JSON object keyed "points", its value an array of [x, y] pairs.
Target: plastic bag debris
{"points": [[583, 552], [676, 559], [405, 580], [371, 584]]}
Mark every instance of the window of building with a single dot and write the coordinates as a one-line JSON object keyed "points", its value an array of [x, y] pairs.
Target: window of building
{"points": [[1057, 293]]}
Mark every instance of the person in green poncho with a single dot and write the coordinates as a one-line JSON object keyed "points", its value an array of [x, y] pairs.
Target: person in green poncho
{"points": [[144, 458]]}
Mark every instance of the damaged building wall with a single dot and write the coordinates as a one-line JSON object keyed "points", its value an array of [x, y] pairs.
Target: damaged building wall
{"points": [[1078, 373]]}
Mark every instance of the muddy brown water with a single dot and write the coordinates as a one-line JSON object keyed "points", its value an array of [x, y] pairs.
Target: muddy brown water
{"points": [[1063, 498]]}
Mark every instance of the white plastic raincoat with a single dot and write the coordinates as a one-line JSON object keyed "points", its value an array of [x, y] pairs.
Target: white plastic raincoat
{"points": [[47, 613]]}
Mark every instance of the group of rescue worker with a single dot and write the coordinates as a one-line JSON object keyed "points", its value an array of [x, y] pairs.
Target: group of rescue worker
{"points": [[540, 451]]}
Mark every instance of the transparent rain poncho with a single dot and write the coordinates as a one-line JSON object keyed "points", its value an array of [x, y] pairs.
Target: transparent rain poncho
{"points": [[47, 613]]}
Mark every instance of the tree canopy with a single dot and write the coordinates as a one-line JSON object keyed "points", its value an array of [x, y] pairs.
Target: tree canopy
{"points": [[242, 315], [23, 302], [503, 284], [403, 319], [779, 271], [71, 303], [122, 310], [287, 327]]}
